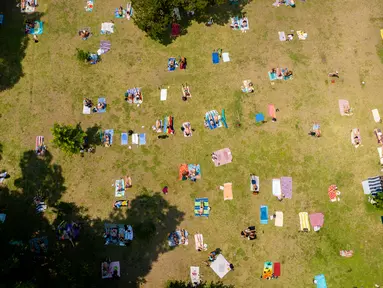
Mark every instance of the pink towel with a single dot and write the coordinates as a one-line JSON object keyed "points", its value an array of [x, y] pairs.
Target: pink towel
{"points": [[272, 111], [342, 104], [287, 187], [316, 219]]}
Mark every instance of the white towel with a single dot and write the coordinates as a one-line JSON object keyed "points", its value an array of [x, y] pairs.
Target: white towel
{"points": [[376, 115], [164, 94], [279, 219], [277, 187], [107, 27], [282, 36], [135, 139], [225, 57], [85, 110]]}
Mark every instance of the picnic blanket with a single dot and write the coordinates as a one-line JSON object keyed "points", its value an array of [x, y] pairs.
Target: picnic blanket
{"points": [[187, 125], [333, 193], [89, 6], [228, 191], [172, 68], [222, 157], [267, 270], [282, 36], [355, 133], [197, 207], [124, 138], [225, 57], [287, 187], [304, 221], [164, 94], [194, 275], [199, 245], [107, 269], [272, 112], [220, 266], [346, 253], [103, 101], [342, 104], [104, 47], [375, 114], [134, 95], [259, 118], [178, 237], [320, 281], [277, 269], [118, 234], [107, 28], [279, 218], [254, 180], [264, 214], [39, 245], [119, 188], [215, 57], [316, 220], [276, 184]]}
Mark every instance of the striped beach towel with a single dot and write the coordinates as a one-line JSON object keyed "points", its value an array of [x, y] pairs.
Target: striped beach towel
{"points": [[375, 185]]}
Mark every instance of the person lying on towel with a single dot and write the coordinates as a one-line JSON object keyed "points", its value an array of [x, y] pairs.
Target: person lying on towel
{"points": [[201, 208], [88, 103], [186, 130], [183, 63], [254, 185], [172, 64], [120, 203], [357, 138], [106, 140], [138, 96], [347, 109], [128, 181], [120, 11], [288, 73]]}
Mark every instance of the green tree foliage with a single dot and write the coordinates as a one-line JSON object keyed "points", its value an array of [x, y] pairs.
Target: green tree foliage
{"points": [[184, 284], [68, 138], [82, 56], [379, 201]]}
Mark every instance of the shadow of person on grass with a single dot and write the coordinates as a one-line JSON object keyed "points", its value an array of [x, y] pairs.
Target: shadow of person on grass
{"points": [[13, 42]]}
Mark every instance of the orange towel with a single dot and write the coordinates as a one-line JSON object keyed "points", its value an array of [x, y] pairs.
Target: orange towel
{"points": [[272, 111], [228, 191], [183, 170]]}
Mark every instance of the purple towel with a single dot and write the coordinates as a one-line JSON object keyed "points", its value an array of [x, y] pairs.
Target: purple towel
{"points": [[287, 187], [105, 45]]}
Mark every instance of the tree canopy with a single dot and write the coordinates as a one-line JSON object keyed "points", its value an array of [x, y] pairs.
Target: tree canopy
{"points": [[68, 138]]}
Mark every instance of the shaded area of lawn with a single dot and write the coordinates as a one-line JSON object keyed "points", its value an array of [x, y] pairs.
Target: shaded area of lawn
{"points": [[13, 42], [78, 264]]}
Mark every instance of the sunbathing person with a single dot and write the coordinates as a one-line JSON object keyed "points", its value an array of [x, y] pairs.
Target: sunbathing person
{"points": [[347, 110], [106, 140], [101, 106], [201, 208], [334, 74], [84, 34], [244, 23], [288, 73], [129, 98], [88, 103], [172, 64], [120, 11], [187, 130], [183, 63], [290, 37], [128, 182]]}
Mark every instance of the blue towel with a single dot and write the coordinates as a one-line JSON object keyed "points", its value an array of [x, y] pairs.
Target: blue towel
{"points": [[124, 138], [118, 15], [143, 139], [272, 76], [175, 64], [321, 281], [215, 57], [1, 18], [259, 117], [110, 132], [101, 100], [264, 210]]}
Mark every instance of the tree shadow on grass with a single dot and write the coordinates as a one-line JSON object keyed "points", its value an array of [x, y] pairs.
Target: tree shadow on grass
{"points": [[93, 134], [221, 15], [13, 42]]}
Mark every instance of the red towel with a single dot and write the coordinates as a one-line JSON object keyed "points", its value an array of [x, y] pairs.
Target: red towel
{"points": [[277, 269], [272, 111]]}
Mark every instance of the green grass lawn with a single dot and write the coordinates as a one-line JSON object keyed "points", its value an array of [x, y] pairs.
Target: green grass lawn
{"points": [[54, 84]]}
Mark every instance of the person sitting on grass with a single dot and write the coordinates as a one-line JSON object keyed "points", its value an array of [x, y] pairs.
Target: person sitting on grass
{"points": [[120, 11], [334, 74], [84, 34], [212, 256], [315, 131], [88, 103]]}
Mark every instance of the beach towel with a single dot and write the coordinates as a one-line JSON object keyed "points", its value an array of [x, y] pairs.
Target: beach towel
{"points": [[225, 57], [109, 132], [124, 138], [276, 184], [320, 281], [213, 120], [223, 118], [194, 172], [176, 29], [333, 193], [220, 266], [282, 36], [183, 170], [264, 214], [228, 191], [119, 188], [107, 269], [187, 125], [375, 114], [39, 142], [279, 219], [89, 6], [164, 94], [175, 238], [267, 270], [194, 275], [38, 28], [277, 269], [302, 35], [197, 206], [175, 64], [86, 110], [38, 245], [104, 47], [375, 185], [118, 15], [135, 138], [222, 157], [235, 23], [380, 152], [107, 28], [272, 76], [103, 101], [381, 33], [215, 57], [143, 139], [346, 253], [316, 220], [272, 112], [287, 187], [2, 217], [254, 180], [355, 133], [366, 188], [129, 10], [304, 221], [199, 245], [259, 118], [244, 23], [116, 234], [342, 104], [120, 203], [27, 7]]}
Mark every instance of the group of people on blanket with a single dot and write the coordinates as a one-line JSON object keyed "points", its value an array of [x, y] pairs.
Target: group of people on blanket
{"points": [[286, 74], [100, 105], [175, 238], [29, 3], [134, 97], [235, 25], [182, 63]]}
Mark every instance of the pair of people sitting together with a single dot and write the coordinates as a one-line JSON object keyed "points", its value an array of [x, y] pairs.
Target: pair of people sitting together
{"points": [[134, 97], [315, 131], [84, 34], [250, 233]]}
